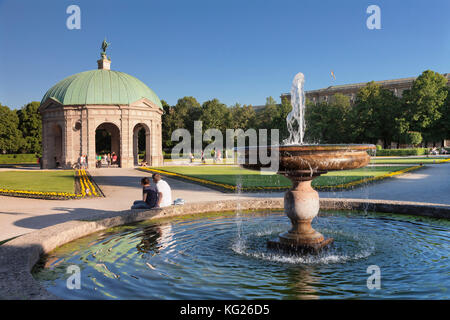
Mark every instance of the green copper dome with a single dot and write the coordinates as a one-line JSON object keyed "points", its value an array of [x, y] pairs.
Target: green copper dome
{"points": [[105, 87]]}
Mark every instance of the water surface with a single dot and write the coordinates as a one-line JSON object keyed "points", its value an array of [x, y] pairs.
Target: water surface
{"points": [[225, 257]]}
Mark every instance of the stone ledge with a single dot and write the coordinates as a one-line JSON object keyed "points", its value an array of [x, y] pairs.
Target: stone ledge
{"points": [[18, 256]]}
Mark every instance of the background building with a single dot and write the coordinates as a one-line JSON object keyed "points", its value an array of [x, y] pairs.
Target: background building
{"points": [[397, 86]]}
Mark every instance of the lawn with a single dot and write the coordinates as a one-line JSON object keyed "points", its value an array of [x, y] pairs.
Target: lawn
{"points": [[423, 160], [232, 175], [44, 181]]}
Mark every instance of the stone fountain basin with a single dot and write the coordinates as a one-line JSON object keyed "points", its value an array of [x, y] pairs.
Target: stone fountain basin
{"points": [[311, 159]]}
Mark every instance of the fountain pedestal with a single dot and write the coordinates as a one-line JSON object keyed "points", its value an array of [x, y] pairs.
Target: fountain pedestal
{"points": [[301, 205], [301, 164]]}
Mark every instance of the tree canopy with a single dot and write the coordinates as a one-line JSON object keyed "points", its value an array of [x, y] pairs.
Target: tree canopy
{"points": [[11, 139], [30, 124], [421, 115]]}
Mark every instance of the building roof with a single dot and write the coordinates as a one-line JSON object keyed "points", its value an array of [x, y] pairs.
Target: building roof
{"points": [[362, 84], [100, 87]]}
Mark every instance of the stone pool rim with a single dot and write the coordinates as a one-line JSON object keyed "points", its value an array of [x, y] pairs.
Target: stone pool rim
{"points": [[18, 256]]}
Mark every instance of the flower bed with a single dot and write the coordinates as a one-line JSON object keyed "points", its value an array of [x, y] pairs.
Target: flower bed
{"points": [[232, 188], [84, 187]]}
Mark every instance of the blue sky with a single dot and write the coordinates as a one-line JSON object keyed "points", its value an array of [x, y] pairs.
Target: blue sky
{"points": [[234, 50]]}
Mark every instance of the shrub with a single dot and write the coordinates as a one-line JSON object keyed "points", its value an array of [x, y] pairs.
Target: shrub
{"points": [[17, 158], [414, 137], [403, 152]]}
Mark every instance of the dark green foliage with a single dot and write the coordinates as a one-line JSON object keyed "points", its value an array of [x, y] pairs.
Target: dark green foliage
{"points": [[402, 152], [18, 158], [423, 103], [30, 123], [329, 122], [11, 139]]}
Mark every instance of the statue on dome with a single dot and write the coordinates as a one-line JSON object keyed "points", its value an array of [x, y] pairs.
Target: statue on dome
{"points": [[104, 46]]}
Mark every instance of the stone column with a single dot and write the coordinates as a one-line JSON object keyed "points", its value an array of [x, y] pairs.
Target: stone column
{"points": [[67, 144], [126, 141], [90, 139], [135, 146], [84, 141], [157, 155], [148, 145]]}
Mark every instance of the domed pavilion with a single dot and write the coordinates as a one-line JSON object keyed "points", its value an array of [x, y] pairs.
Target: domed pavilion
{"points": [[98, 112]]}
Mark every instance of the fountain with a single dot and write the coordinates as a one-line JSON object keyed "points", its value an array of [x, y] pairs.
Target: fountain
{"points": [[223, 254], [301, 163]]}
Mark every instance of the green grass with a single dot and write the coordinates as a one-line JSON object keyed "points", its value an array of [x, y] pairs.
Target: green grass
{"points": [[6, 240], [409, 160], [24, 158], [248, 178], [44, 181]]}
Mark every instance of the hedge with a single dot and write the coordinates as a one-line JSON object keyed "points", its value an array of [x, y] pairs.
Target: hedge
{"points": [[403, 152], [18, 158]]}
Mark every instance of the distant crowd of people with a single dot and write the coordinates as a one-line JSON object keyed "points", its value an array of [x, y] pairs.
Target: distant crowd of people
{"points": [[435, 151], [156, 195], [217, 156], [106, 159]]}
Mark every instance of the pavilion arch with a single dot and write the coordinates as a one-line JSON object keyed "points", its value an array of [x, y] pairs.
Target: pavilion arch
{"points": [[56, 146], [108, 140], [141, 131]]}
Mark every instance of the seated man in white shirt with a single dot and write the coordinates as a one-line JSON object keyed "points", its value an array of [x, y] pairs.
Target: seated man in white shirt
{"points": [[164, 191]]}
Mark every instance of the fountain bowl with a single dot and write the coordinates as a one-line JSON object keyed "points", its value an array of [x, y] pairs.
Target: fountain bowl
{"points": [[301, 164], [308, 161]]}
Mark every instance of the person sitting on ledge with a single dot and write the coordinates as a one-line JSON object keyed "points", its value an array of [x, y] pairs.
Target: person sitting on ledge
{"points": [[164, 191], [149, 196]]}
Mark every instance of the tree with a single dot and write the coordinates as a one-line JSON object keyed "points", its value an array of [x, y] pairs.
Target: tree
{"points": [[329, 122], [424, 101], [215, 115], [375, 115], [339, 119], [168, 124], [279, 121], [439, 130], [187, 110], [30, 123], [181, 116], [266, 116], [242, 117], [316, 122], [10, 136], [414, 138]]}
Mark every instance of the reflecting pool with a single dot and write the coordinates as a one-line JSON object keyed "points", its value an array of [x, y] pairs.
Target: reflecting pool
{"points": [[225, 257]]}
